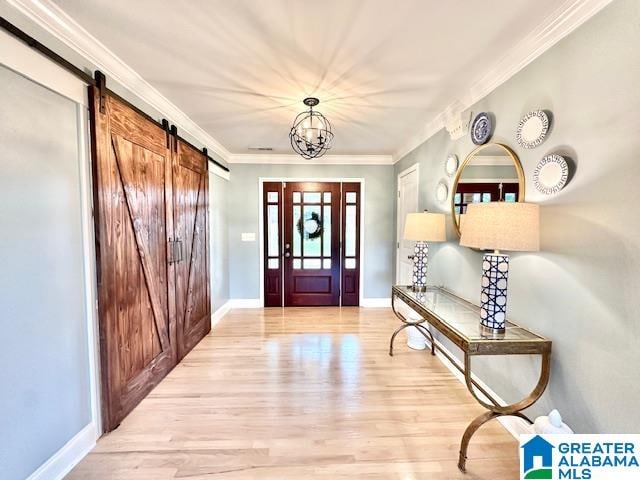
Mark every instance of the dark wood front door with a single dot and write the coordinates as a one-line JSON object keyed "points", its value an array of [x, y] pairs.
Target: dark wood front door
{"points": [[311, 244], [193, 311]]}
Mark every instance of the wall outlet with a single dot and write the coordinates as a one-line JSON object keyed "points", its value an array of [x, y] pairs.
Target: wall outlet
{"points": [[249, 237]]}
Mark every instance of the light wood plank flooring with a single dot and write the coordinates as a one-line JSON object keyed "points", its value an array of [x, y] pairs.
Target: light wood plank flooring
{"points": [[303, 394]]}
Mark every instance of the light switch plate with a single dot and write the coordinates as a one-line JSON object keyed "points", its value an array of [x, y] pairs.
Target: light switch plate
{"points": [[249, 237]]}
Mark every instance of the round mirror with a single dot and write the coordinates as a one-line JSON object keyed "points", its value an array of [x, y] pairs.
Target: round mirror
{"points": [[490, 173]]}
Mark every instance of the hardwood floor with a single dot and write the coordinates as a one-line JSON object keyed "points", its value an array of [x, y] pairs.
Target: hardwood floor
{"points": [[303, 393]]}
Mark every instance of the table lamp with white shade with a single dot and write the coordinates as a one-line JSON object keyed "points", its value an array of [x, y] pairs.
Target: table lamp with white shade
{"points": [[423, 227], [511, 226]]}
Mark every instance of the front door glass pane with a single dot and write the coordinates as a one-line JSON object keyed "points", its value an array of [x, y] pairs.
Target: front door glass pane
{"points": [[350, 231], [326, 231], [311, 264], [311, 230], [311, 197], [296, 234], [272, 221]]}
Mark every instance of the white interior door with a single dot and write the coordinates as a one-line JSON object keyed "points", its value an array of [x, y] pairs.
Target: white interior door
{"points": [[408, 189], [407, 203]]}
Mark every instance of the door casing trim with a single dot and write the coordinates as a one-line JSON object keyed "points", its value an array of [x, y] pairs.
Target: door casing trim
{"points": [[400, 221], [261, 182]]}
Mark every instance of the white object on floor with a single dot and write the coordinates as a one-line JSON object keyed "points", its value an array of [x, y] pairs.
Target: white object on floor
{"points": [[551, 424], [415, 339]]}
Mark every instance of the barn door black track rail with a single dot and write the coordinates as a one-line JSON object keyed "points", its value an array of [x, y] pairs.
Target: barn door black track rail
{"points": [[98, 81]]}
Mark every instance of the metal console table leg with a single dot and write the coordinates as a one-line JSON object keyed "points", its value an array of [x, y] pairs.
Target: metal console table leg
{"points": [[407, 323], [494, 410]]}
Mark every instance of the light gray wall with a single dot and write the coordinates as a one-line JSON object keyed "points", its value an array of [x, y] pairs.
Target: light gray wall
{"points": [[219, 246], [219, 289], [44, 359], [244, 207], [581, 289]]}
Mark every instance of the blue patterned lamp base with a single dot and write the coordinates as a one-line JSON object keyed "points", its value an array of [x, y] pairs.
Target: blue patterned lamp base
{"points": [[493, 298], [420, 255]]}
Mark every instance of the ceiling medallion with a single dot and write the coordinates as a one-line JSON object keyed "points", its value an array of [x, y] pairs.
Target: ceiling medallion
{"points": [[311, 133]]}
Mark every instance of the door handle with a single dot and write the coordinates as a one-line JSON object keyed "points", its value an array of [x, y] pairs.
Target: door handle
{"points": [[287, 254], [178, 244], [287, 246], [171, 252], [410, 257], [175, 249]]}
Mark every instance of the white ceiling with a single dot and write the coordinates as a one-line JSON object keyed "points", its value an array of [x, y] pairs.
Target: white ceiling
{"points": [[383, 69]]}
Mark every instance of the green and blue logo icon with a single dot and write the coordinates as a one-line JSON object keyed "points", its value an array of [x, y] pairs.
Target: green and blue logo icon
{"points": [[537, 459]]}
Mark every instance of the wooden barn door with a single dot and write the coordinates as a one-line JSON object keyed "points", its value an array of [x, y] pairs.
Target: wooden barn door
{"points": [[190, 192], [132, 170]]}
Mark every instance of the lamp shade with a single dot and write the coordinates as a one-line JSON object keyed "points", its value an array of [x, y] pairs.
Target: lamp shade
{"points": [[425, 227], [511, 226]]}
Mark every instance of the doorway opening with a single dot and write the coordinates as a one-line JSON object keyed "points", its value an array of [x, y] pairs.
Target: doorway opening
{"points": [[311, 243], [408, 196]]}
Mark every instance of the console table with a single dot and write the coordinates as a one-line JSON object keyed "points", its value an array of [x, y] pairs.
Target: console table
{"points": [[459, 321]]}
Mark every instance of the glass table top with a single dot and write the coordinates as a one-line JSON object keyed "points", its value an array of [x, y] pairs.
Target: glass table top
{"points": [[461, 317]]}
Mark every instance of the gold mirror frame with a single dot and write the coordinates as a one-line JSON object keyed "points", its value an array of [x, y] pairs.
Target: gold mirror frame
{"points": [[516, 163]]}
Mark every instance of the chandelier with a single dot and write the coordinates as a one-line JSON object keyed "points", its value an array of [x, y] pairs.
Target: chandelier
{"points": [[311, 133]]}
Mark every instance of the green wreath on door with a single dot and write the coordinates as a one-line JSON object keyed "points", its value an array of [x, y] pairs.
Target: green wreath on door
{"points": [[302, 223]]}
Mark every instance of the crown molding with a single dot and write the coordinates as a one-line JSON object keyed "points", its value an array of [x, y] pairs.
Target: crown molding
{"points": [[285, 159], [58, 23], [569, 16]]}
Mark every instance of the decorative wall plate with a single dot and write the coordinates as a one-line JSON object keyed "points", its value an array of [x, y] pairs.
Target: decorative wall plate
{"points": [[551, 174], [442, 191], [481, 128], [532, 129], [451, 164]]}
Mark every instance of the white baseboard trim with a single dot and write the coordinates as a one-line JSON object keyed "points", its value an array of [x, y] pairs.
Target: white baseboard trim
{"points": [[514, 425], [68, 456], [375, 302], [220, 313], [245, 303]]}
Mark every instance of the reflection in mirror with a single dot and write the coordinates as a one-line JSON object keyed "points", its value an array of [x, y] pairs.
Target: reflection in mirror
{"points": [[491, 173]]}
